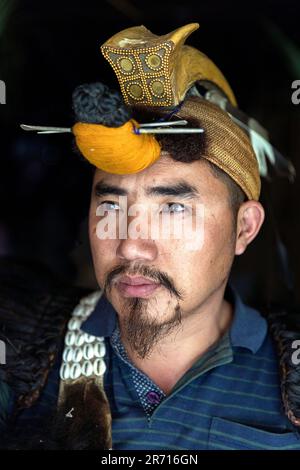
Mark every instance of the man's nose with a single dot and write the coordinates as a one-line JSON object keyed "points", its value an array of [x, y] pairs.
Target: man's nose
{"points": [[137, 249]]}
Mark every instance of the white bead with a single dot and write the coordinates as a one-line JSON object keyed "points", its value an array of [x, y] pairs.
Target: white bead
{"points": [[64, 372], [92, 298], [78, 311], [99, 367], [88, 310], [75, 371], [89, 338], [68, 354], [87, 368], [70, 338], [79, 340], [74, 324], [99, 349], [77, 355], [88, 351]]}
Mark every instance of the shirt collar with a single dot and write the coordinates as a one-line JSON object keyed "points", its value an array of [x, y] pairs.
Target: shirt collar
{"points": [[248, 328], [103, 319]]}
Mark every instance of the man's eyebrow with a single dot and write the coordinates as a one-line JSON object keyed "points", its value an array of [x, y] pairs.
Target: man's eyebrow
{"points": [[181, 189], [101, 189]]}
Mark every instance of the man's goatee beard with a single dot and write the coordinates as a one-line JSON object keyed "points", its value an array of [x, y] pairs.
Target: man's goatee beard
{"points": [[143, 334]]}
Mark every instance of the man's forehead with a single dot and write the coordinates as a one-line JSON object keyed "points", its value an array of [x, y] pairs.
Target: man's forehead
{"points": [[165, 171]]}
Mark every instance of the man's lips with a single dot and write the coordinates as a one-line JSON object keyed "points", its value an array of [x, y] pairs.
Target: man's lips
{"points": [[136, 286], [135, 281]]}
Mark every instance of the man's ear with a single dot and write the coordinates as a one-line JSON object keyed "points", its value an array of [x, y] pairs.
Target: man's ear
{"points": [[249, 221]]}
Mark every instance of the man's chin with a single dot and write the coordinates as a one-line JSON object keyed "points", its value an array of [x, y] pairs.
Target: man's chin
{"points": [[144, 327]]}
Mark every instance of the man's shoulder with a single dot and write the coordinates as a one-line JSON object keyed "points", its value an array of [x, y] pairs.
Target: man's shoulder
{"points": [[280, 354], [34, 310], [266, 339], [6, 403]]}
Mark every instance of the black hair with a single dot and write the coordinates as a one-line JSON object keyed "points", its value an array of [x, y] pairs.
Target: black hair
{"points": [[97, 104]]}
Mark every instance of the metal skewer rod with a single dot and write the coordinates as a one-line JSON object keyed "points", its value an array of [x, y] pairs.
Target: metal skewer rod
{"points": [[168, 131], [164, 123], [45, 129]]}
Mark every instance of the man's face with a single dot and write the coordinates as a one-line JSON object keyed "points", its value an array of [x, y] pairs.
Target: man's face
{"points": [[180, 274]]}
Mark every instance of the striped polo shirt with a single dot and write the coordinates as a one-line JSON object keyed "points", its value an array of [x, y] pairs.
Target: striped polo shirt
{"points": [[229, 399]]}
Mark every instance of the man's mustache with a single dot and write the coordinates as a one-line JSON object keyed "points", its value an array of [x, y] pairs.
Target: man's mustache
{"points": [[157, 276]]}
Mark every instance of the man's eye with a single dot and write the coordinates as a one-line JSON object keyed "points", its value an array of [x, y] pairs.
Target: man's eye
{"points": [[175, 207], [109, 206]]}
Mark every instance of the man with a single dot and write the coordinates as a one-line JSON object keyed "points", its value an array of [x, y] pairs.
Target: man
{"points": [[165, 355]]}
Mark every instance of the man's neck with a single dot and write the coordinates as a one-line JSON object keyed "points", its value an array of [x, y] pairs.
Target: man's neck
{"points": [[176, 353]]}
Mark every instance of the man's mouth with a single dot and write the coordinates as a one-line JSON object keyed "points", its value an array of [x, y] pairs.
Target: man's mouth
{"points": [[136, 286]]}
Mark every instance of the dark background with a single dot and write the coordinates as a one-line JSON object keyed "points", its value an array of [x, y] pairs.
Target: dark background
{"points": [[48, 48]]}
